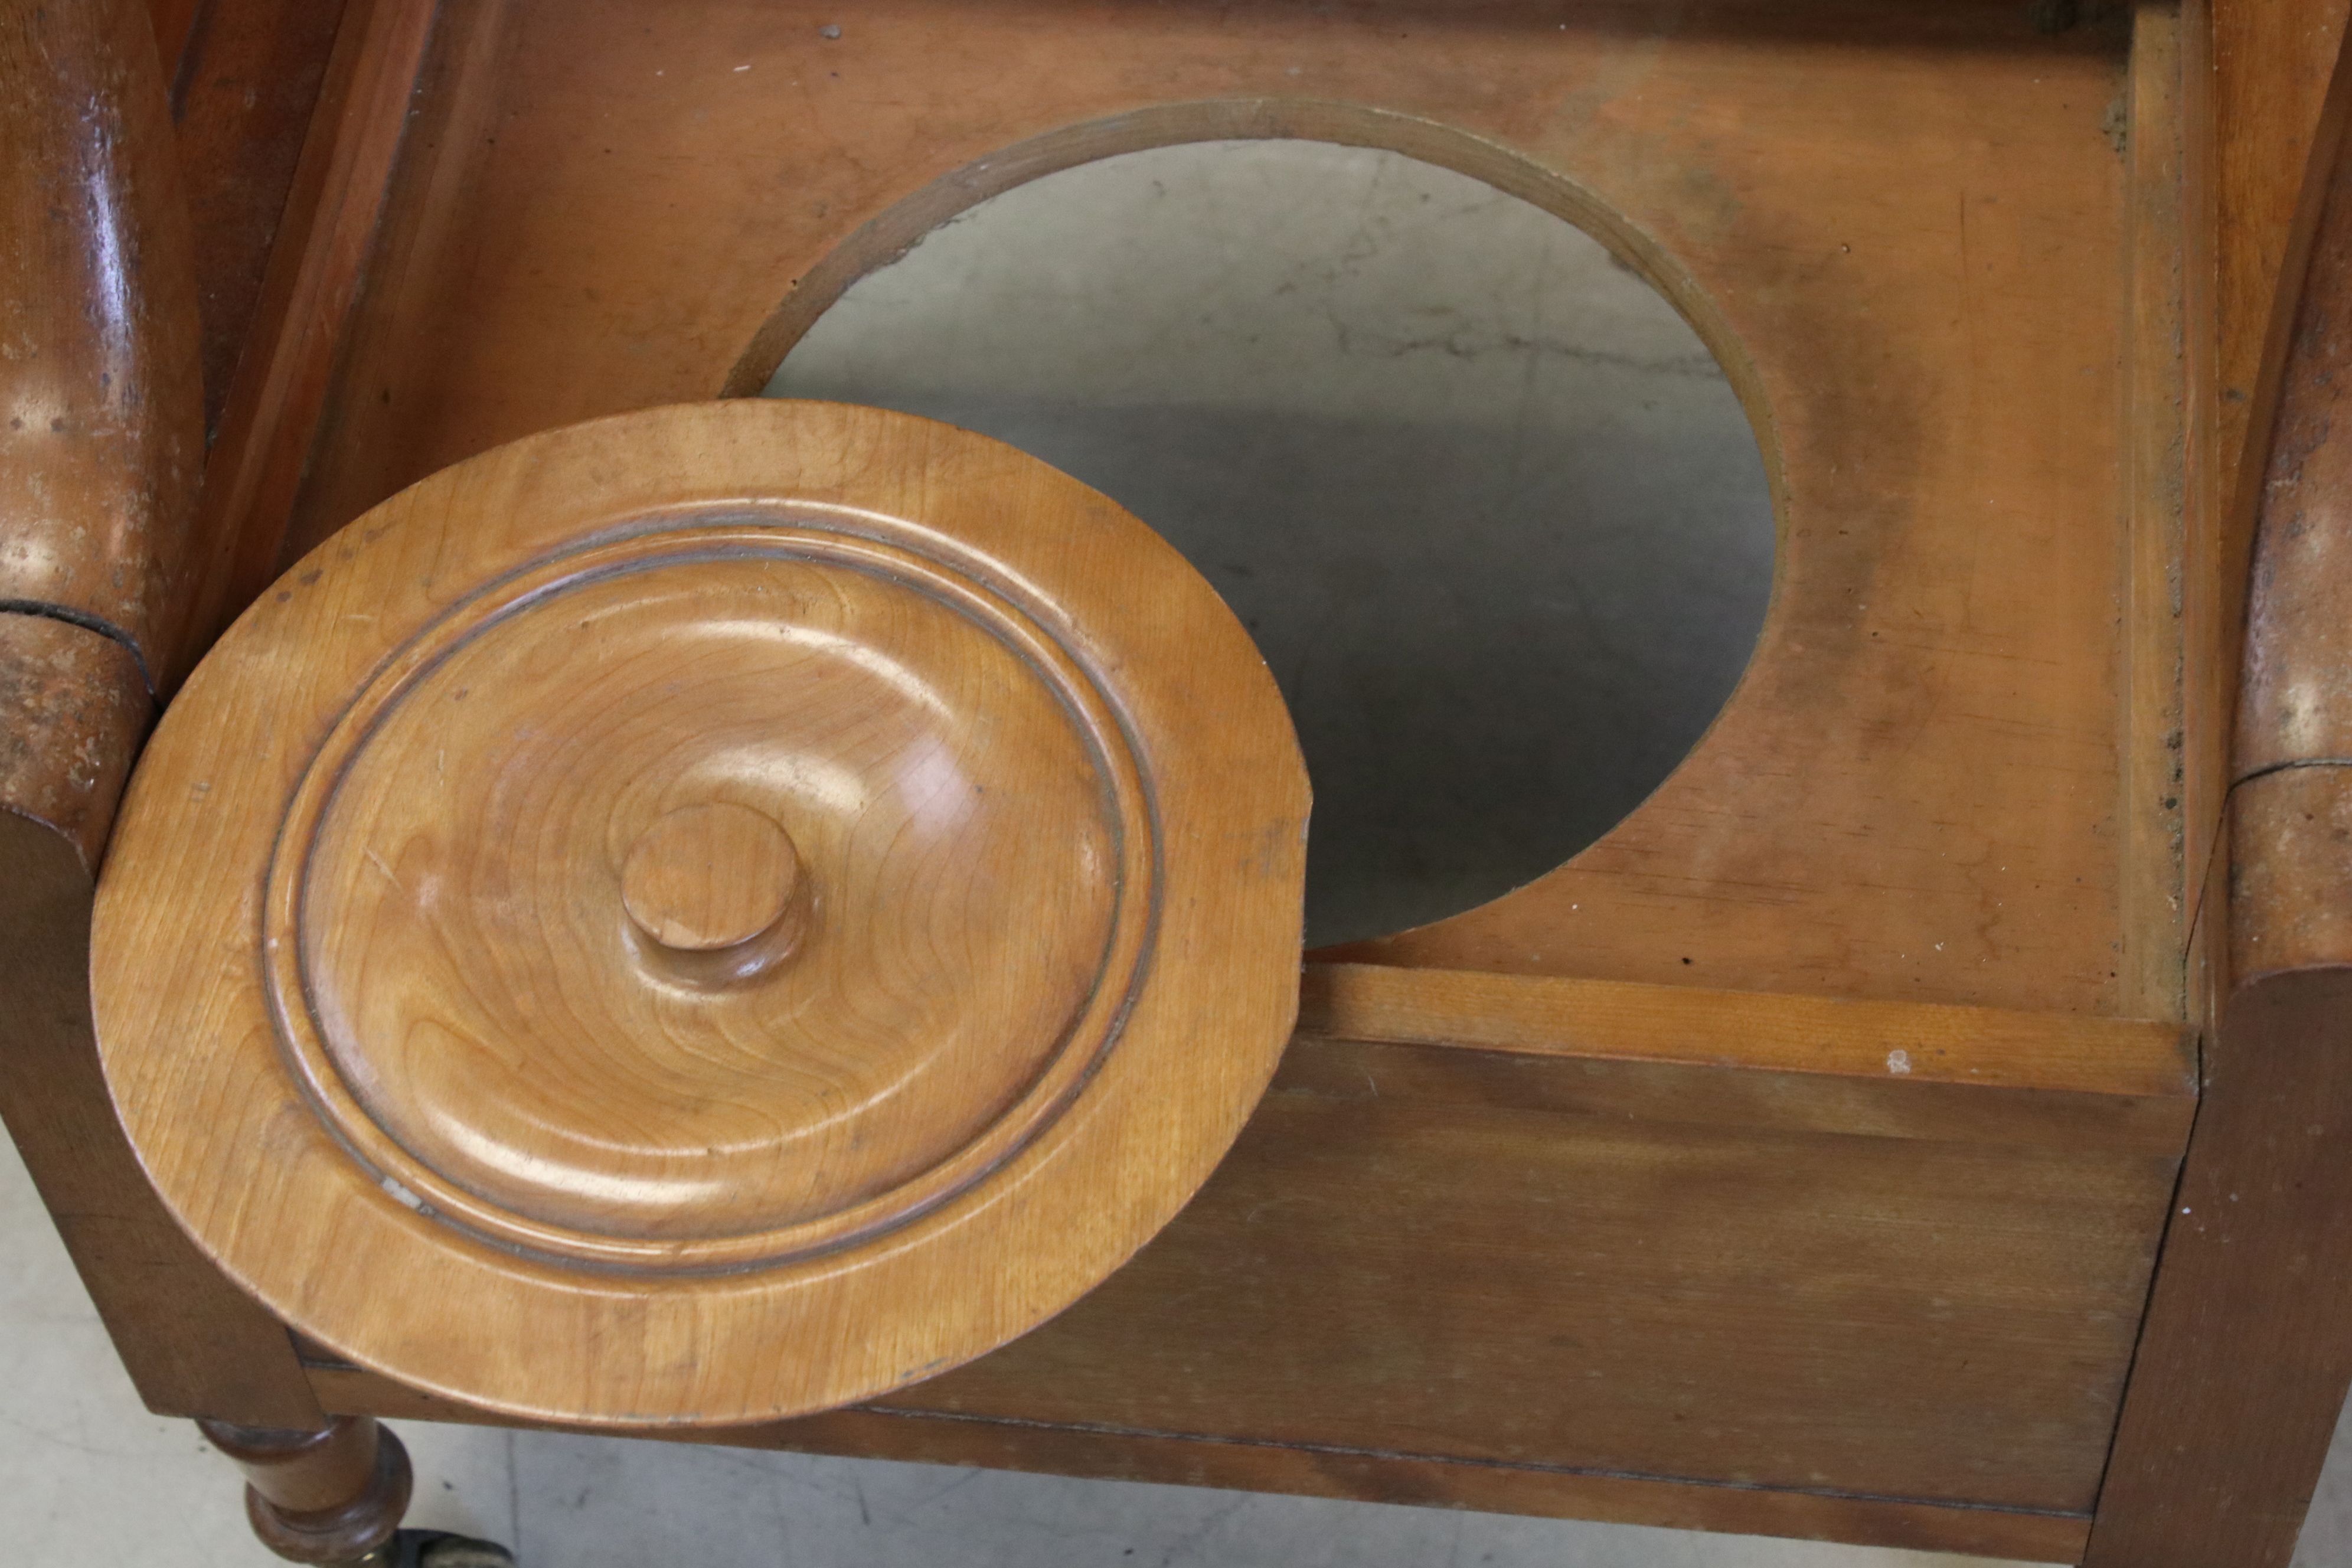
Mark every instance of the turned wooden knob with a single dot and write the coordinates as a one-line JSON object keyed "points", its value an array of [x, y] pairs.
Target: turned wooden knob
{"points": [[715, 879], [706, 915]]}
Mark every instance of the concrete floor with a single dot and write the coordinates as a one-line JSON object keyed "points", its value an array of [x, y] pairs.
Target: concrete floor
{"points": [[1503, 532]]}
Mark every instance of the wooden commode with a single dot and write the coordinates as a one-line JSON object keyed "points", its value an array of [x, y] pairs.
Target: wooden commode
{"points": [[779, 923]]}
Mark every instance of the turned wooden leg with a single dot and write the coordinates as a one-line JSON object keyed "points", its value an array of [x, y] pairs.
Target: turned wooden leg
{"points": [[331, 1496], [336, 1495]]}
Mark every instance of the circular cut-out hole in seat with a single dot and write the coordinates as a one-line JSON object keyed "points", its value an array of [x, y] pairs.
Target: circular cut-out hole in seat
{"points": [[1488, 503]]}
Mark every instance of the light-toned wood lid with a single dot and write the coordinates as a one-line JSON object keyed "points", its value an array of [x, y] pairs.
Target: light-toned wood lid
{"points": [[705, 916]]}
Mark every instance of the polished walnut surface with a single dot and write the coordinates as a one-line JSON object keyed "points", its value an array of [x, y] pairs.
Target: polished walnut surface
{"points": [[708, 915], [101, 416]]}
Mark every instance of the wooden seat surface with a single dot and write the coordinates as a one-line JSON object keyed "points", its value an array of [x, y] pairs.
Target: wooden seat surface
{"points": [[1910, 234]]}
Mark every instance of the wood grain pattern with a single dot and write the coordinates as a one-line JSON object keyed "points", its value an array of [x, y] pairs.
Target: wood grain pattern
{"points": [[707, 878], [1877, 1307], [467, 856], [2161, 386], [2241, 1373], [296, 326], [1915, 795], [1822, 1296], [104, 437], [1051, 815], [243, 94], [2270, 67], [2245, 1358], [1605, 1019], [192, 1342], [1241, 1465], [304, 1471], [2295, 706], [1634, 1267], [2291, 880], [73, 708], [2265, 125]]}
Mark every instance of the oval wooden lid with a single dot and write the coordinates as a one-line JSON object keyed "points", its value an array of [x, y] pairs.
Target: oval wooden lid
{"points": [[704, 916]]}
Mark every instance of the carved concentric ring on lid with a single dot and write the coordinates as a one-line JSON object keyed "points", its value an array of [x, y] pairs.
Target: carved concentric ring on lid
{"points": [[792, 894], [932, 909]]}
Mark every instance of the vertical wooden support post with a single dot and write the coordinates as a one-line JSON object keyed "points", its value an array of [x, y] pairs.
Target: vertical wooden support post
{"points": [[99, 568], [2246, 1355], [100, 442], [2248, 1352], [332, 1496]]}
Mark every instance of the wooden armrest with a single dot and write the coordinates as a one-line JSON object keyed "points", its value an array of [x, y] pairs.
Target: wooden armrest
{"points": [[101, 440], [2291, 806]]}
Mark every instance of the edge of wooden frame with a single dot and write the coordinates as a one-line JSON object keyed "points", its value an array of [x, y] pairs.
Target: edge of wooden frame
{"points": [[2243, 1359], [1107, 1453], [315, 270], [2163, 389], [191, 1342], [1904, 1042]]}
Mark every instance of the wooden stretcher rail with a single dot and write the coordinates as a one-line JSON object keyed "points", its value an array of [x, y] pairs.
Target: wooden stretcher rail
{"points": [[1986, 1048], [1183, 1459]]}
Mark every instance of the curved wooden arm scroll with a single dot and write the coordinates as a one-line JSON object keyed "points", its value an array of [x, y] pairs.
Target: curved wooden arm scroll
{"points": [[102, 409], [2291, 804]]}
